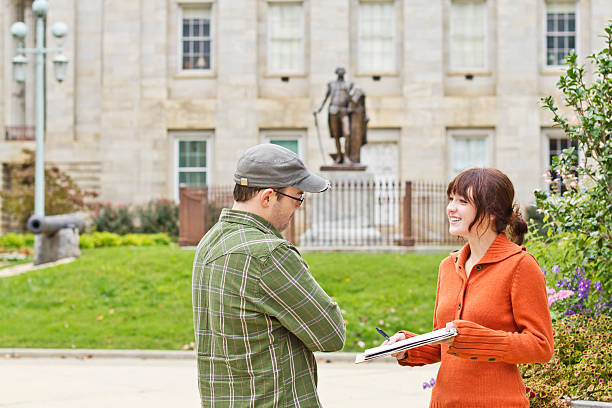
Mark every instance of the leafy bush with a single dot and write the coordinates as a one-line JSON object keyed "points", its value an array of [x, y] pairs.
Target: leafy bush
{"points": [[62, 194], [159, 216], [581, 367], [12, 240], [110, 239], [109, 218], [584, 210]]}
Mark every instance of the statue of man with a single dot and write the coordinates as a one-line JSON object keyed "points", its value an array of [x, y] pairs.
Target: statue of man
{"points": [[338, 92]]}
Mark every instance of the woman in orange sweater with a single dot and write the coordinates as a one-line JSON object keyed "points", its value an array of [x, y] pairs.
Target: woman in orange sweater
{"points": [[493, 292]]}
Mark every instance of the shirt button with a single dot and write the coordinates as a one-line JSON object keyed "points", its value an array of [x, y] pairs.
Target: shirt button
{"points": [[459, 307], [474, 358], [491, 359], [478, 267]]}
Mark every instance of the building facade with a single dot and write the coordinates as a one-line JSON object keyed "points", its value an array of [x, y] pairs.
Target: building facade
{"points": [[163, 92]]}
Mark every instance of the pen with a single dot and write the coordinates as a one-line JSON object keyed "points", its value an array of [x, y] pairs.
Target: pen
{"points": [[382, 333]]}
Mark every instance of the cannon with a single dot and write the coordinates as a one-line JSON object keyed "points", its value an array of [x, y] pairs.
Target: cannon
{"points": [[51, 224], [57, 237]]}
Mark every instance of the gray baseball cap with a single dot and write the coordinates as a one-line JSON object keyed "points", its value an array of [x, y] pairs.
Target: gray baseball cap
{"points": [[270, 165]]}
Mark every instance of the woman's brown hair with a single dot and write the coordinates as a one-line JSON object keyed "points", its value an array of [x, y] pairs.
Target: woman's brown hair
{"points": [[492, 194]]}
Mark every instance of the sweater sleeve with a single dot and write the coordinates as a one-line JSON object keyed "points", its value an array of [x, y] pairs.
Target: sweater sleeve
{"points": [[420, 356], [532, 343]]}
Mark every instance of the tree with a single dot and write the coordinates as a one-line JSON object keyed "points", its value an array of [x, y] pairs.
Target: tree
{"points": [[583, 212], [62, 194]]}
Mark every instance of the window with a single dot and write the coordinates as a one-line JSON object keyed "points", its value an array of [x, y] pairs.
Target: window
{"points": [[556, 145], [196, 47], [468, 39], [285, 38], [469, 148], [192, 162], [376, 41], [560, 31], [290, 139]]}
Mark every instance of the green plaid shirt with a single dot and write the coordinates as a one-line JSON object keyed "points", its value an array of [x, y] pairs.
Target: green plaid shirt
{"points": [[258, 316]]}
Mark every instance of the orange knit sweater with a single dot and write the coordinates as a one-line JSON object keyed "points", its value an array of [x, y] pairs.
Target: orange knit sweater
{"points": [[501, 314]]}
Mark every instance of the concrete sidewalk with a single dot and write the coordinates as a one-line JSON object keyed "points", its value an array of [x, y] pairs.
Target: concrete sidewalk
{"points": [[79, 381]]}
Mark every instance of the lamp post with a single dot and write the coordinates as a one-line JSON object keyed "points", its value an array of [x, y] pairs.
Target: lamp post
{"points": [[59, 30]]}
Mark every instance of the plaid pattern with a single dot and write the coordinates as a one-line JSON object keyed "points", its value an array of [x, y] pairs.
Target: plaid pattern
{"points": [[258, 316]]}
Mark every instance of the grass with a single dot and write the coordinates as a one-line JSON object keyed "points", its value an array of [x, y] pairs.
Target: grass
{"points": [[140, 298]]}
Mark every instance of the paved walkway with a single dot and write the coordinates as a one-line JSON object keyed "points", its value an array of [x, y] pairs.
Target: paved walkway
{"points": [[155, 383]]}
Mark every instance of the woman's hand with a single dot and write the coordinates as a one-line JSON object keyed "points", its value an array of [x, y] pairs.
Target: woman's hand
{"points": [[449, 341], [394, 339]]}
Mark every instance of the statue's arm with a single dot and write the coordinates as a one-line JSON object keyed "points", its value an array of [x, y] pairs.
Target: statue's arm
{"points": [[324, 99]]}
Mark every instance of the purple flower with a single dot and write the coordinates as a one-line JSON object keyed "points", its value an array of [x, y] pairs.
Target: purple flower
{"points": [[425, 385], [583, 288], [432, 382], [555, 269], [597, 286], [543, 271]]}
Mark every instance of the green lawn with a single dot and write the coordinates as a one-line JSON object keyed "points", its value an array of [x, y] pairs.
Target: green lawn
{"points": [[140, 297]]}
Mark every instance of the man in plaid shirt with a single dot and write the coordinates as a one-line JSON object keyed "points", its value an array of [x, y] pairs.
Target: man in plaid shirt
{"points": [[258, 312]]}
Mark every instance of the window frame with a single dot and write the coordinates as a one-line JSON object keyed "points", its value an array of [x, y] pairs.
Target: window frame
{"points": [[191, 137], [204, 4], [393, 70], [487, 134], [544, 32], [302, 70], [487, 41]]}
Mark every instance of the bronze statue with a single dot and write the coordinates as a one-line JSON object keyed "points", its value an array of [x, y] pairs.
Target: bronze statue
{"points": [[346, 117]]}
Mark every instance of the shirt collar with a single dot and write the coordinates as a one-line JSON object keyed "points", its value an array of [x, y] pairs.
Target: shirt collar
{"points": [[248, 219], [500, 249]]}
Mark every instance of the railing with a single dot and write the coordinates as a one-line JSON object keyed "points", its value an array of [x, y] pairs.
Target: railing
{"points": [[20, 133], [350, 214]]}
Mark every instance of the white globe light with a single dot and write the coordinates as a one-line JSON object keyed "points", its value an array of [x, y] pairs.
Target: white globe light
{"points": [[19, 30], [40, 8], [59, 29]]}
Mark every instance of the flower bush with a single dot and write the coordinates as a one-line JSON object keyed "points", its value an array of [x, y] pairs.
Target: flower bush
{"points": [[110, 218], [581, 367], [576, 294], [158, 216]]}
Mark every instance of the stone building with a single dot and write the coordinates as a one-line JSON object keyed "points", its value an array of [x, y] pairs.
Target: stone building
{"points": [[162, 92]]}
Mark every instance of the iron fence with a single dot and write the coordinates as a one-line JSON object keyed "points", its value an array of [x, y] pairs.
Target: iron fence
{"points": [[351, 213]]}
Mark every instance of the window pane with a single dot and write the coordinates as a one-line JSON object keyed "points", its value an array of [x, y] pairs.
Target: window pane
{"points": [[468, 35], [289, 144], [285, 38], [468, 152], [192, 153], [376, 41], [571, 22], [193, 179], [571, 42]]}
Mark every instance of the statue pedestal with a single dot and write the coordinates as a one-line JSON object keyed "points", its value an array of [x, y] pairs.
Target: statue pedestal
{"points": [[344, 214]]}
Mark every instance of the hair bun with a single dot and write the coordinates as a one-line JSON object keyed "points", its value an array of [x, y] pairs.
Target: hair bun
{"points": [[517, 227]]}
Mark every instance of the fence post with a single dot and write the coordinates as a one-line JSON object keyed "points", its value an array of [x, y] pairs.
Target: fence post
{"points": [[408, 239], [191, 215]]}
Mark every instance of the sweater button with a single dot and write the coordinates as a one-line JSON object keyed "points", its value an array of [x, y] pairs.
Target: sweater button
{"points": [[478, 267], [456, 260], [474, 358], [459, 307], [491, 359], [456, 354]]}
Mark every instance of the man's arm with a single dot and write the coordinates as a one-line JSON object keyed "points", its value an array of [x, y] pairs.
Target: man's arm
{"points": [[290, 293], [324, 99]]}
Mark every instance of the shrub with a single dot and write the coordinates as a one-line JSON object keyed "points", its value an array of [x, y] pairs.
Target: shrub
{"points": [[113, 219], [159, 216], [62, 194], [106, 239], [12, 240], [581, 367], [584, 210]]}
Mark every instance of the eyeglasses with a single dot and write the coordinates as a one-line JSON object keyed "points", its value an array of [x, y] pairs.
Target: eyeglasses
{"points": [[300, 198]]}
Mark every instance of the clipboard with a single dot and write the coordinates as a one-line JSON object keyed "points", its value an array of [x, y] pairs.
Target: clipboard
{"points": [[428, 338]]}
